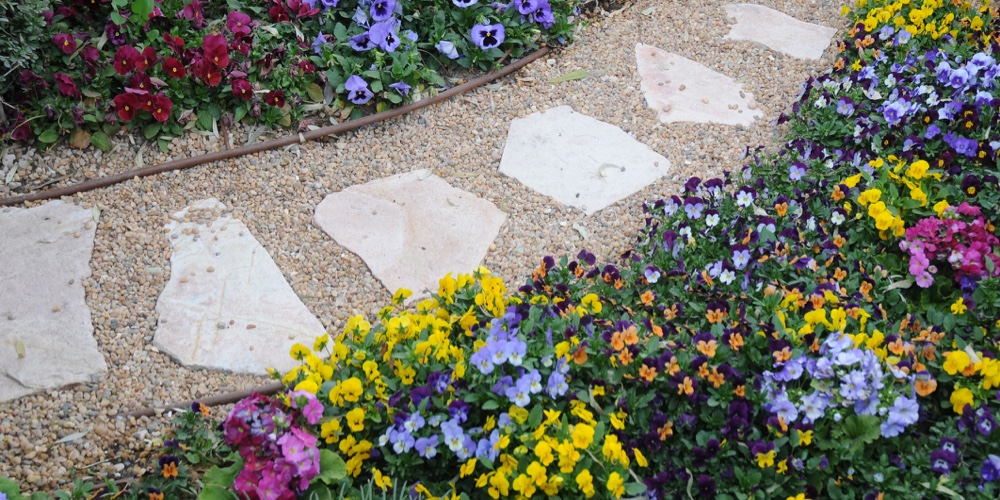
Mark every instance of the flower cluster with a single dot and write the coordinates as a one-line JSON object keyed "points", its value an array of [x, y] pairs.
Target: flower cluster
{"points": [[965, 247]]}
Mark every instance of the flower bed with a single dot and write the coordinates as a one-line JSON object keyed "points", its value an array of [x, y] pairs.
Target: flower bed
{"points": [[167, 66], [821, 324]]}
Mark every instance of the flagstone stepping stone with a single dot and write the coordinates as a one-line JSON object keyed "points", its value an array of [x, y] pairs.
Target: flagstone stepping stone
{"points": [[578, 160], [778, 31], [411, 229], [46, 337], [227, 305], [682, 90]]}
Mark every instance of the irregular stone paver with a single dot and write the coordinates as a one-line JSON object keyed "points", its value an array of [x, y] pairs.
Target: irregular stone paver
{"points": [[411, 229], [778, 31], [578, 160], [46, 337], [682, 90], [227, 305]]}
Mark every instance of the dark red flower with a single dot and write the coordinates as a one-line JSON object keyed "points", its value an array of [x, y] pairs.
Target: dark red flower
{"points": [[66, 11], [145, 100], [242, 89], [66, 42], [67, 86], [193, 11], [241, 45], [238, 23], [140, 81], [173, 68], [22, 130], [210, 73], [90, 54], [175, 43], [146, 59], [302, 9], [126, 105], [125, 59], [275, 98], [30, 80], [307, 67], [161, 108], [216, 50], [278, 14]]}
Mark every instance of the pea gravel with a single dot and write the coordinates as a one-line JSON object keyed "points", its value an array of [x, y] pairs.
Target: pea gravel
{"points": [[275, 193]]}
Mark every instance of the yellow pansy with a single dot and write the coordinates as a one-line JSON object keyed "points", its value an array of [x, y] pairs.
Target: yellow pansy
{"points": [[382, 481], [583, 436], [356, 419], [616, 485], [959, 308], [956, 362], [960, 399]]}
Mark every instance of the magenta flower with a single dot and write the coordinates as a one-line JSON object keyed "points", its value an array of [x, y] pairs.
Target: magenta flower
{"points": [[65, 42], [125, 59], [238, 23], [242, 89], [193, 11], [67, 86], [216, 50]]}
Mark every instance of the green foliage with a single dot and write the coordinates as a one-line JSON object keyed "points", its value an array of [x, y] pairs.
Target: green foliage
{"points": [[22, 34]]}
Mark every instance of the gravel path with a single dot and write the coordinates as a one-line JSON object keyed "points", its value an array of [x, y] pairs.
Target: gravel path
{"points": [[275, 194]]}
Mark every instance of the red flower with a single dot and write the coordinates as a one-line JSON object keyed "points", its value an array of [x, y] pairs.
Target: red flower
{"points": [[173, 68], [243, 89], [175, 43], [66, 85], [66, 43], [216, 50], [146, 59], [210, 73], [126, 105], [307, 67], [140, 81], [275, 98], [277, 14], [241, 45], [193, 11], [161, 108], [238, 23], [145, 100], [125, 59]]}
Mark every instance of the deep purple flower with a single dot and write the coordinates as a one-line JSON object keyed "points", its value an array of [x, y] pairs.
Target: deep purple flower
{"points": [[488, 36], [357, 89], [706, 486], [990, 470], [941, 461]]}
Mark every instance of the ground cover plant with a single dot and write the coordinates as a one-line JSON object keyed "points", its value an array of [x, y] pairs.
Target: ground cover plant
{"points": [[165, 66], [822, 323]]}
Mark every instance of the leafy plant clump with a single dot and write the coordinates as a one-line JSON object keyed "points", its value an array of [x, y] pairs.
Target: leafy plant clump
{"points": [[91, 68]]}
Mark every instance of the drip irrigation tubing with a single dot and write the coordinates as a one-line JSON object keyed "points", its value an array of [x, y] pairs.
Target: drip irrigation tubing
{"points": [[266, 390], [182, 163]]}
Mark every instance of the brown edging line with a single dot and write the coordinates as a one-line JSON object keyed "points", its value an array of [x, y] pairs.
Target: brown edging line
{"points": [[226, 154], [221, 399]]}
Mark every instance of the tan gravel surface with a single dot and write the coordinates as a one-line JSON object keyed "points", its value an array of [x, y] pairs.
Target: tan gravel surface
{"points": [[275, 194]]}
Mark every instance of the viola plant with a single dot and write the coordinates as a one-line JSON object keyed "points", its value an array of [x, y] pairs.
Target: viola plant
{"points": [[165, 67]]}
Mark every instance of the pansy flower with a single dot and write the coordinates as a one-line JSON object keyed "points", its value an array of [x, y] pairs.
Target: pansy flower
{"points": [[384, 34], [168, 466], [242, 89], [401, 87], [357, 89], [543, 14], [488, 36], [238, 23], [125, 58], [361, 42], [67, 86], [65, 42], [126, 105], [193, 11], [216, 50], [173, 68], [275, 98], [382, 9], [319, 43], [464, 3]]}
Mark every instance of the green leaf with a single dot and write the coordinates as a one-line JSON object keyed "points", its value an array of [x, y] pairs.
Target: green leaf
{"points": [[635, 489], [117, 18], [535, 417], [151, 130], [315, 92], [216, 492], [223, 477], [239, 114], [10, 488], [491, 405], [164, 145], [332, 468], [572, 75], [49, 136], [142, 9], [317, 491], [862, 429]]}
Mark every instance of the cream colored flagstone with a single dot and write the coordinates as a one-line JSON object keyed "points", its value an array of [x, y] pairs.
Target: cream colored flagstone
{"points": [[578, 160], [778, 31], [46, 336], [682, 90], [411, 229], [227, 306]]}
